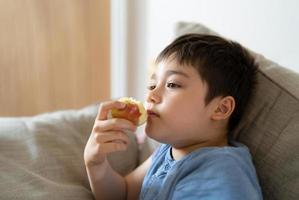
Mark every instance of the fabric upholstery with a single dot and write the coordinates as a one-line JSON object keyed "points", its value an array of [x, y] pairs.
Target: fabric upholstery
{"points": [[41, 157]]}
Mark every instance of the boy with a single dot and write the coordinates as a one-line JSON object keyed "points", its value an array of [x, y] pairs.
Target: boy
{"points": [[196, 96]]}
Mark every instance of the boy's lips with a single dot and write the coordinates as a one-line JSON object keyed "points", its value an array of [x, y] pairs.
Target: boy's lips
{"points": [[151, 113]]}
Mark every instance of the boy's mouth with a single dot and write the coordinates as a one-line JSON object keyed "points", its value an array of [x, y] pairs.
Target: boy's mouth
{"points": [[151, 113]]}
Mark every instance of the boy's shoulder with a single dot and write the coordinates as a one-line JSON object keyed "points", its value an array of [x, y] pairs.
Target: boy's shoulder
{"points": [[216, 171], [209, 160], [236, 152], [209, 171], [215, 158]]}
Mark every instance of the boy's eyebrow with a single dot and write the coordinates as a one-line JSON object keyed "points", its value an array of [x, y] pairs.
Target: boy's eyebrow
{"points": [[172, 72]]}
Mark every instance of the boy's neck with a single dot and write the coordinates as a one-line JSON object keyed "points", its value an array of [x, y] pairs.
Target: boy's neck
{"points": [[179, 153]]}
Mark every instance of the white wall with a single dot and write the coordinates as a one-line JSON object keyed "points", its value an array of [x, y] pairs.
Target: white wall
{"points": [[269, 27], [128, 48]]}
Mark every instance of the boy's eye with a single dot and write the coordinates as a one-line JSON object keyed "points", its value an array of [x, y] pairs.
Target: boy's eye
{"points": [[151, 87], [173, 85]]}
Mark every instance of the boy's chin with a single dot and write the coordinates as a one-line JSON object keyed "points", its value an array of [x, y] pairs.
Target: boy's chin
{"points": [[150, 132], [155, 135]]}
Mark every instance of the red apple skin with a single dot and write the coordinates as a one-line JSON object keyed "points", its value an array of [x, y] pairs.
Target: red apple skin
{"points": [[130, 112]]}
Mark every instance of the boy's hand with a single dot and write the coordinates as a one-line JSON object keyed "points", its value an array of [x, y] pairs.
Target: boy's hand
{"points": [[108, 135]]}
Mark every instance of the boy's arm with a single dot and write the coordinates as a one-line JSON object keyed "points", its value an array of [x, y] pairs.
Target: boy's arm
{"points": [[107, 184], [134, 179], [107, 136]]}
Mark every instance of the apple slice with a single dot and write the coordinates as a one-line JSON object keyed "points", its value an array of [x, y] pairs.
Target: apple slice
{"points": [[134, 111]]}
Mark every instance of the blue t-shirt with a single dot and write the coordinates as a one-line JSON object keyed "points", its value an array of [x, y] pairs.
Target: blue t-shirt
{"points": [[209, 173]]}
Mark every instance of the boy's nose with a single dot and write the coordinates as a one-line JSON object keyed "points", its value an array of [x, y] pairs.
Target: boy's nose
{"points": [[153, 97]]}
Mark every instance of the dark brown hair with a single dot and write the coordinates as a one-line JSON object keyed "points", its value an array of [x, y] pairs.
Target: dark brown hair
{"points": [[226, 67]]}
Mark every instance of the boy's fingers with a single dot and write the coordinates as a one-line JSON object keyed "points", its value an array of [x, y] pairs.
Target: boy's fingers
{"points": [[113, 147], [114, 124], [111, 137], [105, 107]]}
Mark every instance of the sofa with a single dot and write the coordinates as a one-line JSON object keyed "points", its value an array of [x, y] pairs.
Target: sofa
{"points": [[41, 157]]}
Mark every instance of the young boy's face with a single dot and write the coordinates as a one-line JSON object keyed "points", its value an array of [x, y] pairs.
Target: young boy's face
{"points": [[177, 113]]}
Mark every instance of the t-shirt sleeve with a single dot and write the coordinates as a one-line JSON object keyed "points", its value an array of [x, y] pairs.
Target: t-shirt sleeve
{"points": [[219, 178]]}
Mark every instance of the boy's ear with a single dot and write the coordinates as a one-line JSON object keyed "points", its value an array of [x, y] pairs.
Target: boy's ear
{"points": [[224, 108]]}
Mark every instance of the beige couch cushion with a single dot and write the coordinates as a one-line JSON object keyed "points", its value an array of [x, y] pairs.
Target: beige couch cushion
{"points": [[270, 127], [41, 157]]}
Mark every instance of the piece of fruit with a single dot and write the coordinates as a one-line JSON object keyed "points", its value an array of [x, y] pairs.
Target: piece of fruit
{"points": [[134, 111]]}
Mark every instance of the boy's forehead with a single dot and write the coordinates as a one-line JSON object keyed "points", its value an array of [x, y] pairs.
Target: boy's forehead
{"points": [[169, 67], [151, 69]]}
